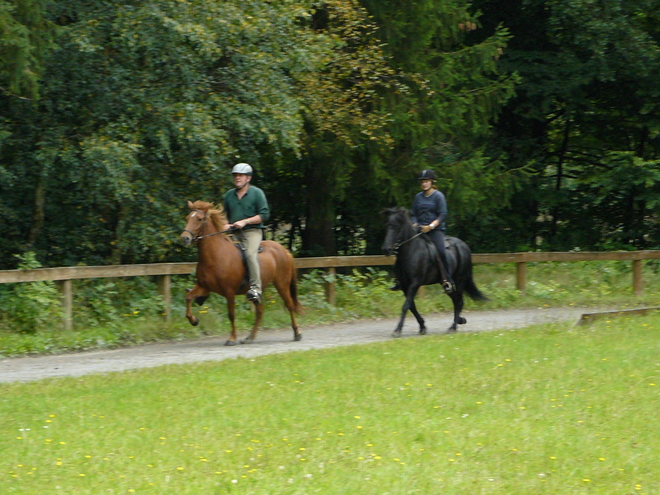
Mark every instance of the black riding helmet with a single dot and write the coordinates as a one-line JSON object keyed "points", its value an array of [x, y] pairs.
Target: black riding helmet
{"points": [[427, 175]]}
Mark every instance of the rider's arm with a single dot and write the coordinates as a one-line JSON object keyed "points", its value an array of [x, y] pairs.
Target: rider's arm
{"points": [[263, 210], [413, 211], [249, 221], [441, 205]]}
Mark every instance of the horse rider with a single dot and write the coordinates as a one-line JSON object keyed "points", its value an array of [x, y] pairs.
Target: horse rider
{"points": [[429, 211], [247, 210]]}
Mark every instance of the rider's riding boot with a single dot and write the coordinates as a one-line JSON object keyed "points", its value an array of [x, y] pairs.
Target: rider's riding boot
{"points": [[396, 285], [254, 294]]}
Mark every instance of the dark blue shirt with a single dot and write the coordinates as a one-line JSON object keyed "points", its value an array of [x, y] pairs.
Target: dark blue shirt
{"points": [[426, 209]]}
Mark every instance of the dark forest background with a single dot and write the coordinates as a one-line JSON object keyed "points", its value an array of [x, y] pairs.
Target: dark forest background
{"points": [[539, 117]]}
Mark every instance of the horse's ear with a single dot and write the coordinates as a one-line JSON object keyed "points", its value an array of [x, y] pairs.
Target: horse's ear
{"points": [[393, 210], [190, 205]]}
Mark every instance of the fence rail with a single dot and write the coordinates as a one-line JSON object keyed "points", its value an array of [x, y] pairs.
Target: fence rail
{"points": [[164, 271]]}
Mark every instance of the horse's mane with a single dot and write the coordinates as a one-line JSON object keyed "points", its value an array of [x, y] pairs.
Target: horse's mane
{"points": [[399, 212], [398, 217], [215, 212]]}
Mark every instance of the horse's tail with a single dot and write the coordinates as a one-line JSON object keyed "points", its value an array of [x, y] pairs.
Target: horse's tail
{"points": [[293, 289], [472, 290], [468, 280]]}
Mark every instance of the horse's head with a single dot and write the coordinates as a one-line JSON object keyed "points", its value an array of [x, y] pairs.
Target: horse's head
{"points": [[397, 224], [195, 221]]}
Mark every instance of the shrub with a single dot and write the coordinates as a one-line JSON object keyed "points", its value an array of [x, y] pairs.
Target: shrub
{"points": [[31, 306]]}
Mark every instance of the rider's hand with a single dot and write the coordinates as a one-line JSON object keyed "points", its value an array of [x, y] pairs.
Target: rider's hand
{"points": [[226, 227], [426, 228], [240, 224]]}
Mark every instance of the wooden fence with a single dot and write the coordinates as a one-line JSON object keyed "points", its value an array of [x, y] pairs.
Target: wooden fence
{"points": [[163, 271]]}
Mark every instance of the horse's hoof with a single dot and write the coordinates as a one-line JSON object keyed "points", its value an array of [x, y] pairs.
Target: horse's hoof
{"points": [[462, 321], [451, 329], [297, 337], [422, 330], [396, 334], [247, 340], [195, 321], [230, 342]]}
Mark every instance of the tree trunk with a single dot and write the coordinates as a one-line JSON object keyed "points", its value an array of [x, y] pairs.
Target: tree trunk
{"points": [[38, 213], [117, 249], [318, 238]]}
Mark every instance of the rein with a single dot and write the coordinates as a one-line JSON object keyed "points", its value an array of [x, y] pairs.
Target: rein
{"points": [[396, 246]]}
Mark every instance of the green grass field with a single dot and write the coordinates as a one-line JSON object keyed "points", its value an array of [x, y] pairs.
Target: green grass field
{"points": [[551, 409]]}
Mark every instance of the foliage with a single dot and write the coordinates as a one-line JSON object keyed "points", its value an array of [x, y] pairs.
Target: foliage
{"points": [[585, 119], [25, 38], [438, 117], [30, 306], [539, 117], [540, 410], [145, 105]]}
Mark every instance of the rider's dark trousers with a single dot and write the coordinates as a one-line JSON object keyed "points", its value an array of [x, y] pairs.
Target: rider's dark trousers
{"points": [[437, 236]]}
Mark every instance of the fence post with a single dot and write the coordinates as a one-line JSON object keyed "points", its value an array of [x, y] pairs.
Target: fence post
{"points": [[521, 277], [164, 289], [330, 294], [65, 288], [637, 277]]}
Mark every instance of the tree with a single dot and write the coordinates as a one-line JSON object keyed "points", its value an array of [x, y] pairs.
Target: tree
{"points": [[147, 105], [585, 118], [443, 91], [25, 37]]}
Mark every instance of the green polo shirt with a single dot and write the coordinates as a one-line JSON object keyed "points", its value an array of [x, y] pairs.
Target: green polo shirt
{"points": [[251, 204]]}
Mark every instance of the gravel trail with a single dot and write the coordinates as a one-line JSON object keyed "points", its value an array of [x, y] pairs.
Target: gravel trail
{"points": [[268, 342]]}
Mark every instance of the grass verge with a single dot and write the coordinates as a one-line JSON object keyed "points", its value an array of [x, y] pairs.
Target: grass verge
{"points": [[113, 314]]}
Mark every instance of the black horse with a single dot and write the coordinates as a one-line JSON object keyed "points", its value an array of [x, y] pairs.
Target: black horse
{"points": [[417, 264]]}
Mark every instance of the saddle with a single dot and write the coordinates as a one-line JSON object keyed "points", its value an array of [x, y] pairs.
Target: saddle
{"points": [[429, 242]]}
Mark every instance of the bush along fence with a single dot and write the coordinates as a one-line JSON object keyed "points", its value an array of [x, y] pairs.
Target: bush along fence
{"points": [[65, 276]]}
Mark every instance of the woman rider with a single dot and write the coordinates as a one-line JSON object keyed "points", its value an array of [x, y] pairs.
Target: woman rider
{"points": [[429, 211], [428, 214]]}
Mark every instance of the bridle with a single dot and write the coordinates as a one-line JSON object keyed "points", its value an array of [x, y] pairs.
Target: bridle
{"points": [[195, 237]]}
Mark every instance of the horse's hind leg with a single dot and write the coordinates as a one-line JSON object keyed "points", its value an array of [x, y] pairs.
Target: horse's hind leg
{"points": [[283, 289], [255, 328], [193, 294]]}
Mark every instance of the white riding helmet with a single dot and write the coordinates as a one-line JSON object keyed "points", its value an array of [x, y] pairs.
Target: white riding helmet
{"points": [[242, 168]]}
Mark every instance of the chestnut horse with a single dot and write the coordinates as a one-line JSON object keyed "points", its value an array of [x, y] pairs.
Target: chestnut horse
{"points": [[220, 268]]}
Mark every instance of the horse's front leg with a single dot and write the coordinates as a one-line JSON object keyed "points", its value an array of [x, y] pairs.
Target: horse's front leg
{"points": [[410, 301], [253, 334], [231, 313], [418, 317], [192, 294], [457, 299]]}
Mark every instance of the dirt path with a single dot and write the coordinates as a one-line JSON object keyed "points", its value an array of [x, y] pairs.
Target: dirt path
{"points": [[268, 342]]}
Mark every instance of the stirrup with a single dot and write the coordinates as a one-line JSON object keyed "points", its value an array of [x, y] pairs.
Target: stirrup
{"points": [[253, 295], [447, 286], [396, 286]]}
